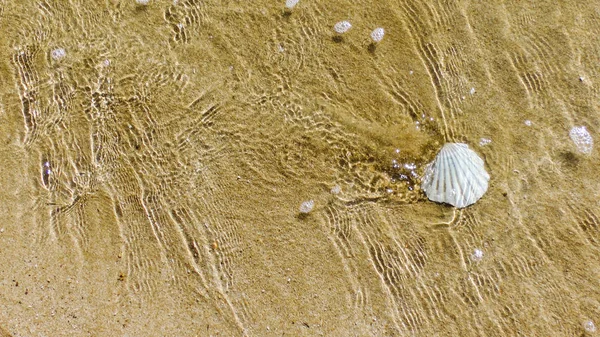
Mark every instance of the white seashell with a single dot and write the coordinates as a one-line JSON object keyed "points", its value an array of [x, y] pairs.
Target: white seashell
{"points": [[342, 27], [456, 176]]}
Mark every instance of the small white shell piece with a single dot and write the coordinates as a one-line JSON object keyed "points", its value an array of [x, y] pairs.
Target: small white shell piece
{"points": [[456, 176]]}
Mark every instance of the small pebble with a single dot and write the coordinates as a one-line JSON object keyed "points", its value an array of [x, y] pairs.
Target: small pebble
{"points": [[342, 27], [472, 91], [484, 141], [528, 122], [336, 189], [142, 2]]}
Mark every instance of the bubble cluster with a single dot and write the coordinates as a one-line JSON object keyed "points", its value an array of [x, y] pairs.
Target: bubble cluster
{"points": [[289, 4], [477, 255], [377, 34], [404, 173], [582, 139], [47, 169], [58, 54], [342, 27], [307, 206]]}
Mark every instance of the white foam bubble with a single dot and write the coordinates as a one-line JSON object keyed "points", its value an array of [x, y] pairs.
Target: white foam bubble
{"points": [[589, 326], [58, 54], [410, 166], [477, 255], [377, 34], [307, 206], [582, 139], [291, 3], [342, 27]]}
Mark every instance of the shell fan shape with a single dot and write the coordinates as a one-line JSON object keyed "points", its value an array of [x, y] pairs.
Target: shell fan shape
{"points": [[456, 176]]}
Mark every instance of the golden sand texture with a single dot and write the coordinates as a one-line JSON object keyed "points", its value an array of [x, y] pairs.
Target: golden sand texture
{"points": [[155, 158]]}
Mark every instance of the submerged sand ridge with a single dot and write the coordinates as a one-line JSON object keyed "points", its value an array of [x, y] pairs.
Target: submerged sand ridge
{"points": [[155, 157]]}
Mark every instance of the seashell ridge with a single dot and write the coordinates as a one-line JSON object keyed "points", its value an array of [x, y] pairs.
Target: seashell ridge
{"points": [[456, 176]]}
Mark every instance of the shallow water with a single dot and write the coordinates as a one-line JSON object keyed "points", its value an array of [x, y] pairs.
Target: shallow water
{"points": [[155, 159]]}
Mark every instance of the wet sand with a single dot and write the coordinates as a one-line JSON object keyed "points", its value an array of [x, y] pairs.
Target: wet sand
{"points": [[155, 158]]}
